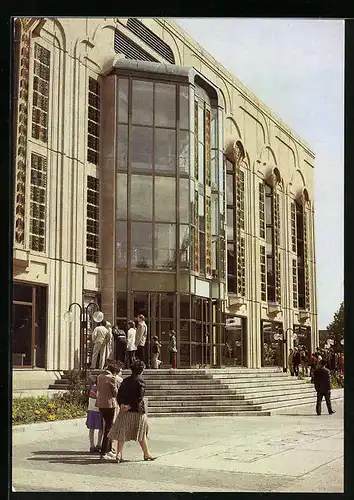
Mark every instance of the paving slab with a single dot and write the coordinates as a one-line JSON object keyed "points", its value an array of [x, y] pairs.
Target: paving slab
{"points": [[295, 452]]}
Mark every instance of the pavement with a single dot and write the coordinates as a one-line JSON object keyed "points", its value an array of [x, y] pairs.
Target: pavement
{"points": [[292, 451]]}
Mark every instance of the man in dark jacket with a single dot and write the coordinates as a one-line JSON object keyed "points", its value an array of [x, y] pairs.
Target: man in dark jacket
{"points": [[120, 344], [322, 383], [296, 361]]}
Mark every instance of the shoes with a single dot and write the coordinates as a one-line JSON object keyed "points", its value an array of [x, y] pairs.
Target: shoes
{"points": [[119, 460], [331, 412], [97, 449], [106, 457], [111, 454], [149, 459], [93, 449]]}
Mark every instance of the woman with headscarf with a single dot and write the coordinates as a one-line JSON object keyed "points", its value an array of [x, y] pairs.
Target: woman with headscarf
{"points": [[131, 423]]}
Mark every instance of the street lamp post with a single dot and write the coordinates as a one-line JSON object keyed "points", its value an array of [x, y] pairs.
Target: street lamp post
{"points": [[84, 311]]}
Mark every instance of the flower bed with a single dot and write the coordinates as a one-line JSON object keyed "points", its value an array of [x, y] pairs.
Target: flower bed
{"points": [[29, 410]]}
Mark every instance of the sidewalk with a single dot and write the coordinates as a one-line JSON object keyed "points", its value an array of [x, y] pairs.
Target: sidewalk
{"points": [[294, 452]]}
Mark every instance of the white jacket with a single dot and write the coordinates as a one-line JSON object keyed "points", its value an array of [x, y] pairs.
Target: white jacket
{"points": [[131, 339]]}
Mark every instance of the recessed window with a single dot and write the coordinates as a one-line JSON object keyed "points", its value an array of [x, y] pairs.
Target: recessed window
{"points": [[142, 104], [141, 244], [165, 199], [38, 202], [92, 220], [41, 70], [165, 150], [93, 125], [122, 196], [165, 105], [141, 197], [165, 246], [123, 99], [141, 148], [121, 238]]}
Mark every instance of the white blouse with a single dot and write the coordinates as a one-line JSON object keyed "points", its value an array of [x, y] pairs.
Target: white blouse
{"points": [[131, 339]]}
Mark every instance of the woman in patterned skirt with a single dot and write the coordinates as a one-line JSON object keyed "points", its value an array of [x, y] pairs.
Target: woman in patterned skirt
{"points": [[131, 423]]}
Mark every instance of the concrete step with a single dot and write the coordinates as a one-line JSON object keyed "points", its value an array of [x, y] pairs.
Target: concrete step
{"points": [[260, 413], [192, 397], [193, 392], [279, 398], [256, 376], [246, 384], [185, 382], [204, 403], [270, 388], [204, 408], [59, 387]]}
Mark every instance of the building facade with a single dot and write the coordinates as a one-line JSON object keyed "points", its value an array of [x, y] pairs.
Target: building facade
{"points": [[148, 179]]}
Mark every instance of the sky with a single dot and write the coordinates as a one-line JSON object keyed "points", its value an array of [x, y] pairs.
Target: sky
{"points": [[296, 68]]}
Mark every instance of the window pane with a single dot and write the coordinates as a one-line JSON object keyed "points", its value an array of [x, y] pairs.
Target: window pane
{"points": [[201, 213], [141, 197], [183, 152], [231, 259], [230, 224], [202, 252], [183, 107], [213, 128], [201, 163], [141, 148], [121, 252], [268, 209], [165, 245], [200, 124], [121, 196], [230, 189], [165, 105], [184, 246], [214, 169], [122, 146], [165, 150], [141, 244], [142, 102], [123, 100], [165, 199], [184, 200], [214, 214]]}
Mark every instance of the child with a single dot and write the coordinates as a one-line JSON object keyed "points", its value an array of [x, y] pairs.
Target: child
{"points": [[94, 420], [156, 350]]}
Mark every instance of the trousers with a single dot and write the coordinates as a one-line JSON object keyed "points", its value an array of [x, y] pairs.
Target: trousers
{"points": [[327, 396], [107, 415], [98, 349]]}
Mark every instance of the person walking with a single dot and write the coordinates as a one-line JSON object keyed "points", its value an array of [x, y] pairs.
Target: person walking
{"points": [[290, 362], [296, 361], [156, 350], [131, 423], [120, 344], [172, 347], [131, 345], [99, 338], [140, 341], [322, 381], [94, 419], [107, 390]]}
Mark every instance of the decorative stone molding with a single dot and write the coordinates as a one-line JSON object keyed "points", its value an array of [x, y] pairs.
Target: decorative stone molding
{"points": [[274, 308], [304, 315], [234, 150]]}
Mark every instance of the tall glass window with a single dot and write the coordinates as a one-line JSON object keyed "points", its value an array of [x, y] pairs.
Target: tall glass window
{"points": [[300, 255], [270, 245]]}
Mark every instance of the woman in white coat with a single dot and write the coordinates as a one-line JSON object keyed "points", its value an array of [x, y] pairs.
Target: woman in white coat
{"points": [[109, 344], [131, 347]]}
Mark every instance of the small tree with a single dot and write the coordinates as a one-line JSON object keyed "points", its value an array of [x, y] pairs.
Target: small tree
{"points": [[336, 328]]}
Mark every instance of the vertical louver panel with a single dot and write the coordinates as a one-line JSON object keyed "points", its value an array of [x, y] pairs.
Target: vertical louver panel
{"points": [[152, 40], [93, 122], [306, 262], [38, 202], [261, 211], [41, 75], [92, 220], [294, 270], [293, 227], [263, 273]]}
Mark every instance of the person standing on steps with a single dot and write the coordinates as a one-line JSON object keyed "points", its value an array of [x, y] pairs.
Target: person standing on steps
{"points": [[296, 361], [120, 344], [290, 362], [172, 347], [155, 350], [131, 343], [322, 381], [140, 340], [99, 339]]}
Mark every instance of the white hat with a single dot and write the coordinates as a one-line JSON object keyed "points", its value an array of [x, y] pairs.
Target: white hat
{"points": [[108, 324]]}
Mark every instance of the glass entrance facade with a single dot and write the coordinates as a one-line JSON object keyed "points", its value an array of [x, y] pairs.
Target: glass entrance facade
{"points": [[272, 348], [29, 315]]}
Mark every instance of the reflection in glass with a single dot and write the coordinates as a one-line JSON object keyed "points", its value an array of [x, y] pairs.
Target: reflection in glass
{"points": [[165, 245], [230, 189], [183, 107], [121, 305], [141, 148], [201, 213], [22, 335], [141, 238], [121, 250], [201, 163], [184, 246], [141, 197], [167, 305], [165, 199], [230, 224], [123, 100], [165, 105], [183, 152], [184, 200], [234, 332], [142, 102], [121, 196], [122, 147], [165, 150]]}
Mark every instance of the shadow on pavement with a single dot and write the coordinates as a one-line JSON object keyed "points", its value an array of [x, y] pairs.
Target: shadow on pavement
{"points": [[65, 452], [73, 460]]}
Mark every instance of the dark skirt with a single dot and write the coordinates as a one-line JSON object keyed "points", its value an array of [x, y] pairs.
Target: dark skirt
{"points": [[94, 420]]}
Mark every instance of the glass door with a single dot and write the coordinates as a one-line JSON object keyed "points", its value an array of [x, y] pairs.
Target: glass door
{"points": [[22, 335]]}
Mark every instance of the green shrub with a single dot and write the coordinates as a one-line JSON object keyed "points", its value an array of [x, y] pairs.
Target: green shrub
{"points": [[30, 410], [337, 380], [79, 388]]}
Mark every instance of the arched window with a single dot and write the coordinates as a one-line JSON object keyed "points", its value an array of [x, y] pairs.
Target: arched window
{"points": [[303, 297]]}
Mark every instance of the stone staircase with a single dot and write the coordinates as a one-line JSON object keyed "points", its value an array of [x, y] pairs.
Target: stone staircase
{"points": [[217, 392]]}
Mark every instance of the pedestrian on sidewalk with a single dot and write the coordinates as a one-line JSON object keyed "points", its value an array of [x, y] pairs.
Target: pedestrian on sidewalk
{"points": [[156, 351], [131, 343], [99, 338], [322, 381], [296, 361], [291, 362], [172, 347], [107, 390], [131, 423], [119, 377], [140, 341], [94, 419]]}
